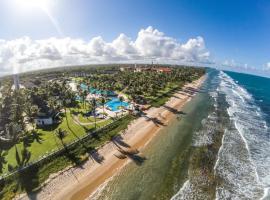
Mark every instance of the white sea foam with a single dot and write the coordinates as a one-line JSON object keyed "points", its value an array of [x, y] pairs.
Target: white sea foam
{"points": [[244, 159], [191, 188], [204, 137], [219, 152], [98, 192], [189, 191], [180, 193]]}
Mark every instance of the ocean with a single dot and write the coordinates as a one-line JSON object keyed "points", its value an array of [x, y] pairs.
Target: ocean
{"points": [[219, 148]]}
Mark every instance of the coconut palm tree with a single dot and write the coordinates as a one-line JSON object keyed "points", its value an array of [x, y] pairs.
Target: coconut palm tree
{"points": [[103, 101], [30, 111], [25, 155], [66, 96], [21, 160], [3, 161], [60, 133], [78, 86], [94, 105], [13, 130], [84, 95], [121, 98]]}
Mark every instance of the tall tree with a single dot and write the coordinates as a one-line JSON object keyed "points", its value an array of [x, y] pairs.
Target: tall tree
{"points": [[60, 133], [3, 161], [30, 111], [94, 105], [121, 98], [103, 101]]}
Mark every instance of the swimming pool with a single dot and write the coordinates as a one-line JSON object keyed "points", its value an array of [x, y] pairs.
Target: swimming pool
{"points": [[114, 104], [96, 91]]}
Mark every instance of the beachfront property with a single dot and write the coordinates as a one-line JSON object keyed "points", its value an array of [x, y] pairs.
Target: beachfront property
{"points": [[96, 103], [112, 105], [46, 118], [163, 70], [146, 68]]}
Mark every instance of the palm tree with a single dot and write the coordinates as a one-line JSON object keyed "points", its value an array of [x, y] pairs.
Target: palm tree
{"points": [[3, 154], [30, 111], [21, 160], [13, 130], [51, 103], [17, 108], [121, 98], [94, 105], [84, 95], [78, 86], [25, 157], [133, 100], [103, 101], [66, 96], [60, 133]]}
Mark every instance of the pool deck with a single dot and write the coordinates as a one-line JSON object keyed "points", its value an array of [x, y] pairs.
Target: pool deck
{"points": [[110, 112]]}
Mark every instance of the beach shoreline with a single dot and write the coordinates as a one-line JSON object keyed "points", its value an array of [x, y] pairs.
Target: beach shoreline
{"points": [[80, 182]]}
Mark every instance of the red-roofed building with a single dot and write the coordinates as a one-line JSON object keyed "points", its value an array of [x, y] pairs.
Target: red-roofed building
{"points": [[163, 70]]}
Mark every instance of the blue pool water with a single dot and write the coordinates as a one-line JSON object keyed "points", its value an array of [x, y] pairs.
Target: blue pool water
{"points": [[114, 103], [96, 91]]}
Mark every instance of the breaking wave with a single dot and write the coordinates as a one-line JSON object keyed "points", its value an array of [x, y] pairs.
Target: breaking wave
{"points": [[244, 158], [202, 138], [242, 166]]}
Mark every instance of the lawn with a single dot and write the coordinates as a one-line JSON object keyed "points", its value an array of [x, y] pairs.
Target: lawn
{"points": [[31, 178], [163, 95], [45, 140], [84, 119], [81, 110]]}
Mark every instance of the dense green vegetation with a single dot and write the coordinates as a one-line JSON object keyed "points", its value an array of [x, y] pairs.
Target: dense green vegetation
{"points": [[31, 178], [22, 142], [43, 141], [145, 87], [163, 95]]}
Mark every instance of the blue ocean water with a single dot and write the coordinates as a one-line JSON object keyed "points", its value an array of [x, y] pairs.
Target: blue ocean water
{"points": [[258, 87], [236, 105], [242, 167], [243, 162]]}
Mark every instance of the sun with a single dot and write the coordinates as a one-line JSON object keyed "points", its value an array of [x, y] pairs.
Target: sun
{"points": [[43, 4]]}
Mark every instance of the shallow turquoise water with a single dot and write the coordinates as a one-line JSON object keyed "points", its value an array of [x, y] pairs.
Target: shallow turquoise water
{"points": [[165, 168], [234, 106]]}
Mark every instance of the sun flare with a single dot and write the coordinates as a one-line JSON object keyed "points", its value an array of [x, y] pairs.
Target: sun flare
{"points": [[33, 3]]}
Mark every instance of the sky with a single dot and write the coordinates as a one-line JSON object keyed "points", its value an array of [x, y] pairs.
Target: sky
{"points": [[228, 34]]}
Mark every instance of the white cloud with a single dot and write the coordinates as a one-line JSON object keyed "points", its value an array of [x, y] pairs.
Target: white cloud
{"points": [[234, 65], [267, 67], [25, 54], [229, 63]]}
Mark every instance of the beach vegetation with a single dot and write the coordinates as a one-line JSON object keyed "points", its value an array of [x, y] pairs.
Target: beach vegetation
{"points": [[31, 178], [47, 116]]}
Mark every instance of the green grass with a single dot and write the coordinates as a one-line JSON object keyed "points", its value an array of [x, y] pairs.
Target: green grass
{"points": [[30, 179], [163, 95], [46, 141], [83, 119], [81, 110], [77, 79]]}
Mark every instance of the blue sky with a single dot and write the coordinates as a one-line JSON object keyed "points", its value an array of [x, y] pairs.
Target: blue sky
{"points": [[235, 32]]}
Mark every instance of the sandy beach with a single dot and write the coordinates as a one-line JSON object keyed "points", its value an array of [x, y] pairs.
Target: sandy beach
{"points": [[80, 182]]}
